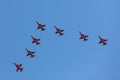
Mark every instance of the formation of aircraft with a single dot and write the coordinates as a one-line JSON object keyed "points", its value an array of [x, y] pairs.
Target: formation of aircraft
{"points": [[102, 41], [83, 36], [40, 26], [59, 31], [18, 67], [30, 53], [35, 40]]}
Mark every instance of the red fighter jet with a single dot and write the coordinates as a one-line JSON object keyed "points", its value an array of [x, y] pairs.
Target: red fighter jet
{"points": [[59, 31], [35, 40], [83, 36], [40, 26], [102, 41], [30, 53], [18, 67]]}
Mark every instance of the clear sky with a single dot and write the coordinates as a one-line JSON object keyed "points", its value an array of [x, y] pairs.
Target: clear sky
{"points": [[60, 57]]}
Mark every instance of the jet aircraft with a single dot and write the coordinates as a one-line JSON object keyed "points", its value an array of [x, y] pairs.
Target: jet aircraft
{"points": [[30, 53], [35, 40], [102, 41], [59, 31], [83, 36], [40, 26], [18, 67]]}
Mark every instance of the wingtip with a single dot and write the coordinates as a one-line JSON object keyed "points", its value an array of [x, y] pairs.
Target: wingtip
{"points": [[80, 32], [37, 22], [99, 36], [26, 49], [14, 63], [55, 26], [32, 36]]}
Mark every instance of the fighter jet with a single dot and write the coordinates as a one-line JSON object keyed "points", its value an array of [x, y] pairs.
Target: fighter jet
{"points": [[40, 26], [59, 31], [83, 36], [30, 53], [18, 67], [102, 41], [35, 40]]}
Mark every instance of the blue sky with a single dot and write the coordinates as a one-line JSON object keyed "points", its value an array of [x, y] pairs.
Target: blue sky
{"points": [[60, 57]]}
